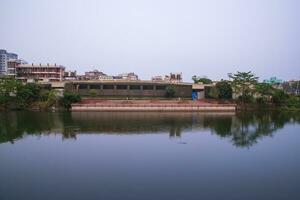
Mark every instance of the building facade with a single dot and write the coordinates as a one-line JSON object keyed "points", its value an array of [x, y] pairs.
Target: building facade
{"points": [[40, 73], [4, 58], [128, 89]]}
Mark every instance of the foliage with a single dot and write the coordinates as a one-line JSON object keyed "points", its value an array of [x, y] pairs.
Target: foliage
{"points": [[14, 92], [170, 91], [214, 93], [27, 93], [279, 97], [225, 90], [70, 98], [93, 93], [293, 101], [198, 79], [8, 90], [264, 89], [243, 85], [50, 97]]}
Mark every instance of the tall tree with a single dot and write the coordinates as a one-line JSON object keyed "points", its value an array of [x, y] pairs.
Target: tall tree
{"points": [[243, 85], [203, 80], [225, 90]]}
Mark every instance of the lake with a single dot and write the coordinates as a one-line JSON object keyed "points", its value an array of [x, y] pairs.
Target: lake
{"points": [[127, 155]]}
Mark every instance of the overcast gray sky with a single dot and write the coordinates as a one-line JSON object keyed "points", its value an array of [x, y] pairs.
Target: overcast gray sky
{"points": [[155, 37]]}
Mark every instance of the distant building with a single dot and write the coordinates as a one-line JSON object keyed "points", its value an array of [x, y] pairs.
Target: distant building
{"points": [[273, 81], [157, 78], [12, 67], [291, 87], [70, 75], [106, 77], [172, 77], [91, 75], [39, 72], [127, 76], [4, 58]]}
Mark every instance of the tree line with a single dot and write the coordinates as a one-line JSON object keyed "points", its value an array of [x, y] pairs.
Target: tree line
{"points": [[16, 95], [245, 88]]}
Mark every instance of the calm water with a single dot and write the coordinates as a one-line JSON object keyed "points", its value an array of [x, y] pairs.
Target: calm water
{"points": [[149, 156]]}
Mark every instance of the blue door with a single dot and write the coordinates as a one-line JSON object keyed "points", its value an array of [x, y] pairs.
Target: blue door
{"points": [[194, 95]]}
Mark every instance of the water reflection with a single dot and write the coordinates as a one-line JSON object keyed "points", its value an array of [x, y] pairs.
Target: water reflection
{"points": [[242, 129]]}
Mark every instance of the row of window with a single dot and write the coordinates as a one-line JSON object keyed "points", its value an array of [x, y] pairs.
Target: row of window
{"points": [[122, 87]]}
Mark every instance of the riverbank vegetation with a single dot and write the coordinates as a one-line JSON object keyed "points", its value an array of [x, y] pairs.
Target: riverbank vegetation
{"points": [[14, 95], [244, 89]]}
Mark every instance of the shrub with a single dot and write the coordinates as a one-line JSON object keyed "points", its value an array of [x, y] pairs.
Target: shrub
{"points": [[170, 91], [93, 93], [225, 90], [214, 93], [70, 98], [279, 97]]}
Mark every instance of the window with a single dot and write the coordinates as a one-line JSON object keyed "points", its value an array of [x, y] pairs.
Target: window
{"points": [[108, 87], [148, 87], [96, 87], [160, 87], [82, 86], [121, 87], [134, 87]]}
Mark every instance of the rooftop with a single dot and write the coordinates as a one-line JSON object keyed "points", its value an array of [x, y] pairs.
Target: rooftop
{"points": [[41, 65]]}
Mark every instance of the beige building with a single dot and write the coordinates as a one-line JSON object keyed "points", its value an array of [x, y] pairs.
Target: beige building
{"points": [[40, 72]]}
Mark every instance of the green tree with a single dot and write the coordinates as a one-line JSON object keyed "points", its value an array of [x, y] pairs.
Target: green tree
{"points": [[214, 93], [243, 85], [225, 90], [198, 79], [52, 98], [27, 94], [265, 91], [8, 90], [279, 97], [70, 98], [170, 91]]}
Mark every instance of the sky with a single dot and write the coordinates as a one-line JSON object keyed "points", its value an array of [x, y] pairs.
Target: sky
{"points": [[155, 37]]}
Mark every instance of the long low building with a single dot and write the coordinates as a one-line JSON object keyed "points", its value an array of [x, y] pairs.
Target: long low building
{"points": [[130, 89]]}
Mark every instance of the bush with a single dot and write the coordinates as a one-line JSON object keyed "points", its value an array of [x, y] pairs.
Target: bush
{"points": [[246, 99], [293, 102], [225, 90], [279, 97], [70, 98], [93, 93], [170, 91], [261, 100], [214, 93]]}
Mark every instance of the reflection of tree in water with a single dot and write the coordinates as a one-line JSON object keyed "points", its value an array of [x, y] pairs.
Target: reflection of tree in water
{"points": [[247, 127], [15, 125], [244, 129]]}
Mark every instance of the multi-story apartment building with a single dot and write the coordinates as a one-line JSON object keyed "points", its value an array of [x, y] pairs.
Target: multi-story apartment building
{"points": [[44, 73], [4, 58]]}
